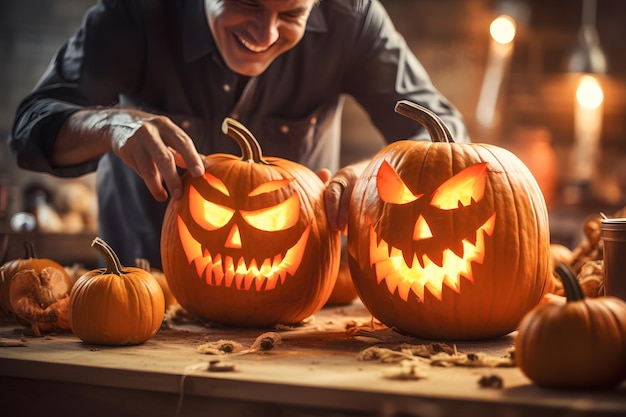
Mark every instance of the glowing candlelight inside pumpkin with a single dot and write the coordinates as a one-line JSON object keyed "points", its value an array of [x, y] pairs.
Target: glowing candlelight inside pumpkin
{"points": [[502, 30], [587, 126]]}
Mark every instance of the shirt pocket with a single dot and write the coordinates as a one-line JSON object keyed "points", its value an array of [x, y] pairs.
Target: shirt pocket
{"points": [[198, 129], [290, 138]]}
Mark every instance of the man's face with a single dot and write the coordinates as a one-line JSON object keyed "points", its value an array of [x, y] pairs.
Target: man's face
{"points": [[250, 34]]}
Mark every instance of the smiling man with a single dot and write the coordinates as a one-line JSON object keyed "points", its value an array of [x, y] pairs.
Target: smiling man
{"points": [[142, 88]]}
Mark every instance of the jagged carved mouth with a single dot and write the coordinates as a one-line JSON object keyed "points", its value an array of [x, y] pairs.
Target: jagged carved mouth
{"points": [[224, 270], [391, 267]]}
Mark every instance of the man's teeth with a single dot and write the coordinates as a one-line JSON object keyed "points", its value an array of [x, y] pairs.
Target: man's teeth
{"points": [[253, 48]]}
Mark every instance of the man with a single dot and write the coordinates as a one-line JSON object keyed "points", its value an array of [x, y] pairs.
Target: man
{"points": [[143, 86]]}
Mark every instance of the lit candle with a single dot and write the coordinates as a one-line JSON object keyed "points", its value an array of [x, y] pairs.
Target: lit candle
{"points": [[587, 127], [502, 30]]}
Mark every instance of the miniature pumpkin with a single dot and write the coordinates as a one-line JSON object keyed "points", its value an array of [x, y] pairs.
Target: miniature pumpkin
{"points": [[29, 262], [580, 343], [248, 243], [115, 305], [447, 240]]}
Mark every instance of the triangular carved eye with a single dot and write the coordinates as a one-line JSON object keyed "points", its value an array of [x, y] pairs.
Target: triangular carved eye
{"points": [[461, 190], [391, 188], [208, 215], [278, 217]]}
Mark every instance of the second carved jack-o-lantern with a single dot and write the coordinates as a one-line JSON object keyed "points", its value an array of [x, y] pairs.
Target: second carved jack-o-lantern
{"points": [[448, 240], [248, 244]]}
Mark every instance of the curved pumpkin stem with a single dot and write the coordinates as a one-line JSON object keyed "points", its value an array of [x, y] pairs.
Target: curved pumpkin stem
{"points": [[573, 292], [114, 266], [250, 147], [436, 128], [29, 249]]}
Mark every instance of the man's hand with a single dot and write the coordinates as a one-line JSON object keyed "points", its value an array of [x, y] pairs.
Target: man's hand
{"points": [[150, 144], [338, 192]]}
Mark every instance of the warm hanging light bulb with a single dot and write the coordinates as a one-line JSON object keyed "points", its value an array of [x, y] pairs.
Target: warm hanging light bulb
{"points": [[589, 93], [502, 29]]}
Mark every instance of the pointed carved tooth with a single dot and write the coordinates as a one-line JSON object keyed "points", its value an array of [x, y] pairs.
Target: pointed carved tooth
{"points": [[392, 282], [271, 282], [241, 267], [418, 289], [253, 268], [282, 275], [259, 281], [229, 272], [266, 268], [217, 269], [385, 268], [276, 262], [248, 280], [208, 277], [239, 281], [201, 265], [435, 288], [403, 289]]}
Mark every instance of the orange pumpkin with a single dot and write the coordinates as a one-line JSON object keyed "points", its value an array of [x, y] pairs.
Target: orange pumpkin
{"points": [[248, 243], [448, 240], [343, 292], [115, 305], [144, 264], [580, 343], [29, 262]]}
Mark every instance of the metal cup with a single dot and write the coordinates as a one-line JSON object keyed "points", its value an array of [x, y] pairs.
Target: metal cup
{"points": [[613, 235]]}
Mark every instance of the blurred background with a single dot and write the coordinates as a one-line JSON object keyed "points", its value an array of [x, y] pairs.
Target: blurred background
{"points": [[545, 79]]}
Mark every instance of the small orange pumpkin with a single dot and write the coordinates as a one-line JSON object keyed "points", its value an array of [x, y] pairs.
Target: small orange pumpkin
{"points": [[115, 305], [29, 262], [577, 344], [248, 243], [448, 240]]}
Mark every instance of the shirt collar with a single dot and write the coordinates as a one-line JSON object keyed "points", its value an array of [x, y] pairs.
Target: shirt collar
{"points": [[198, 40]]}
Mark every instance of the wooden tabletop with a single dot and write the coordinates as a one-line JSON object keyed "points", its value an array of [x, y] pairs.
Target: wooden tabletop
{"points": [[340, 363]]}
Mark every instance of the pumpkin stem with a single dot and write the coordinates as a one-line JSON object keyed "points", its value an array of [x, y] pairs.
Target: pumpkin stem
{"points": [[573, 292], [250, 147], [142, 263], [114, 266], [29, 248], [436, 128]]}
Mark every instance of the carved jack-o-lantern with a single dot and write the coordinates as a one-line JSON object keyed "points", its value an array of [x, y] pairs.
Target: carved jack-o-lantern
{"points": [[448, 240], [248, 244]]}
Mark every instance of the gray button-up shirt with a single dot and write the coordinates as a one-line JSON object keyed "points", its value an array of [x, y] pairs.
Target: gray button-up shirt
{"points": [[159, 55]]}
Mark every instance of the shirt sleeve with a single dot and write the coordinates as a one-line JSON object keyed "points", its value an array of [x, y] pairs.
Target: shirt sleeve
{"points": [[384, 70], [96, 63]]}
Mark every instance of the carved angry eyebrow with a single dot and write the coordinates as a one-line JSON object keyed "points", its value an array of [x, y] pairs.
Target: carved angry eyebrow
{"points": [[216, 183], [270, 186]]}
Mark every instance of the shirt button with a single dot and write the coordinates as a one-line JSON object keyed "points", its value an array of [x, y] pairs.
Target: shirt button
{"points": [[284, 129], [185, 124], [226, 88], [235, 116], [313, 120]]}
